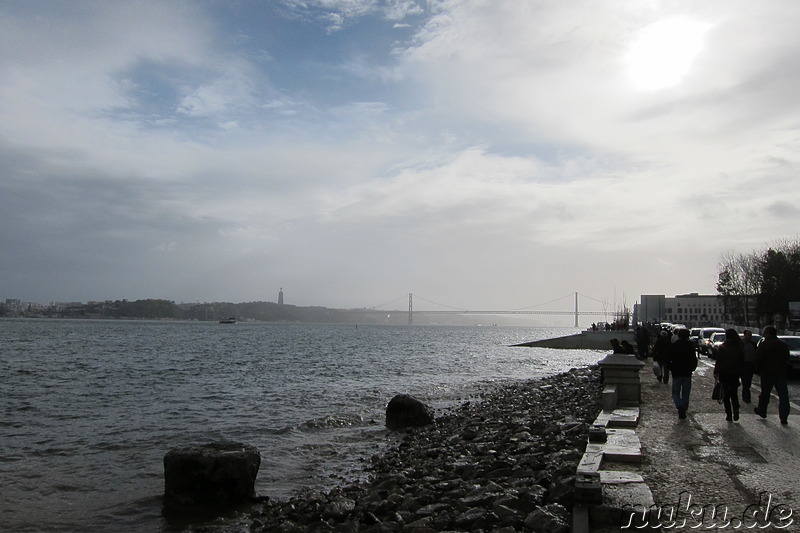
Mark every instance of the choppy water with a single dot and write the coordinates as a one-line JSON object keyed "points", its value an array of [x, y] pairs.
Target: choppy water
{"points": [[89, 408]]}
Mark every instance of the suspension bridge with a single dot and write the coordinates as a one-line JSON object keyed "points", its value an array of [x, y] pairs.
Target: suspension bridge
{"points": [[530, 310]]}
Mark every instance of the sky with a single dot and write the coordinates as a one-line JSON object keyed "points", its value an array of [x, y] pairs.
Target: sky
{"points": [[480, 154]]}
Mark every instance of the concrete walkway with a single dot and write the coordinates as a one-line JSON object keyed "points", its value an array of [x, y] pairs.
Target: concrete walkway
{"points": [[707, 474]]}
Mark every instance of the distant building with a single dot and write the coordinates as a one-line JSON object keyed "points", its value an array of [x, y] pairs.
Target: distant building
{"points": [[13, 306], [280, 296], [692, 310], [650, 309]]}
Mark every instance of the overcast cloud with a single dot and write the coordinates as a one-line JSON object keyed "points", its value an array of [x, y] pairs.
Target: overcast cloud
{"points": [[491, 155]]}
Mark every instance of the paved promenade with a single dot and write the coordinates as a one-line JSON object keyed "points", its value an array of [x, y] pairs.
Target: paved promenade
{"points": [[721, 476]]}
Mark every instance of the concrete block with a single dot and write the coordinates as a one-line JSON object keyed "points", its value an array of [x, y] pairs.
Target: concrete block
{"points": [[597, 433], [588, 489], [616, 477], [590, 461], [622, 445], [623, 504], [622, 417], [580, 519], [609, 397]]}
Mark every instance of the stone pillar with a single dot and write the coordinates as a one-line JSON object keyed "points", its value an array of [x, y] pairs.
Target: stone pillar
{"points": [[622, 370], [211, 476]]}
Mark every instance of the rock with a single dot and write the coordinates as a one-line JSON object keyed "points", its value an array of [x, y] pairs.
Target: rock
{"points": [[547, 520], [210, 477], [469, 518], [339, 508], [406, 411], [500, 464]]}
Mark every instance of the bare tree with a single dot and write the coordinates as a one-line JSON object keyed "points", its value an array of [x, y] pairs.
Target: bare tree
{"points": [[757, 287], [739, 284]]}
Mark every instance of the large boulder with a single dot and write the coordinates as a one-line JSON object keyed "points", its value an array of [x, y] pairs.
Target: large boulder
{"points": [[210, 477], [406, 411]]}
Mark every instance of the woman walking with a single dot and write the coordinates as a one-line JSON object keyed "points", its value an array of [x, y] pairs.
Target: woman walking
{"points": [[728, 368]]}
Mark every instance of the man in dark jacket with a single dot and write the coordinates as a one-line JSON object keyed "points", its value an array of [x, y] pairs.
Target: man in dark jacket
{"points": [[661, 352], [749, 366], [642, 341], [728, 369], [772, 362], [682, 362]]}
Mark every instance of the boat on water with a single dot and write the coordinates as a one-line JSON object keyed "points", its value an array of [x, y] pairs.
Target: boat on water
{"points": [[229, 320]]}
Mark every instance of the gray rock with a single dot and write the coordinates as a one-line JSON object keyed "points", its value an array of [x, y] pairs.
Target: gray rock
{"points": [[496, 464], [545, 520], [406, 411], [339, 508]]}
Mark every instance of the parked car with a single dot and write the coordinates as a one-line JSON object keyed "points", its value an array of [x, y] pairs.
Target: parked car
{"points": [[694, 336], [703, 339], [794, 351], [716, 338]]}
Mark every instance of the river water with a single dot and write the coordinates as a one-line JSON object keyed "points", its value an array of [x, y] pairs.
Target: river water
{"points": [[89, 408]]}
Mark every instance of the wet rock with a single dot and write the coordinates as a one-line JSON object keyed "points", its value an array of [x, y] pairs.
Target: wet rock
{"points": [[406, 411], [501, 464]]}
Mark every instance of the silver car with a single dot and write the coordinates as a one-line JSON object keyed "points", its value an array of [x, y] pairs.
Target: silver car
{"points": [[794, 351], [704, 339], [716, 338]]}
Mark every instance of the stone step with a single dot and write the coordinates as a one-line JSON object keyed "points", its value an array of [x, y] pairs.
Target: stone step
{"points": [[622, 417], [622, 445], [626, 504]]}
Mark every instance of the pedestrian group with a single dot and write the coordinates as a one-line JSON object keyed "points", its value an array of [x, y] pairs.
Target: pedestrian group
{"points": [[738, 359]]}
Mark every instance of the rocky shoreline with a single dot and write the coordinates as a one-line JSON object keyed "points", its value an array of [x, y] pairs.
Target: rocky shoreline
{"points": [[505, 463]]}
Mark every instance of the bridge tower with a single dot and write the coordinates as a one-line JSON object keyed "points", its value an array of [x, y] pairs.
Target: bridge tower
{"points": [[410, 307], [576, 309]]}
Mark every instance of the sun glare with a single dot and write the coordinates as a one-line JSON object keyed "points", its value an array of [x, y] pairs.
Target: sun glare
{"points": [[662, 53]]}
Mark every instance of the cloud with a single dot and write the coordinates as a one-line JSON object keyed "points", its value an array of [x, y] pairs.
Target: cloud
{"points": [[336, 14], [559, 73], [479, 147]]}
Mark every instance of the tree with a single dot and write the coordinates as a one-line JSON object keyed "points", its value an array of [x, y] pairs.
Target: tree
{"points": [[766, 280], [739, 283], [780, 279]]}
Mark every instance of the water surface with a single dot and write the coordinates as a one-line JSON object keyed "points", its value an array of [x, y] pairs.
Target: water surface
{"points": [[89, 408]]}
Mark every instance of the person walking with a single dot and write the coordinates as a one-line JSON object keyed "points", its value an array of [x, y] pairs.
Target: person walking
{"points": [[627, 348], [642, 337], [661, 351], [682, 362], [728, 368], [772, 362], [749, 365]]}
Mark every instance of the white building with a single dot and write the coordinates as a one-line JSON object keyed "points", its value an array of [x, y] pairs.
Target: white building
{"points": [[693, 309]]}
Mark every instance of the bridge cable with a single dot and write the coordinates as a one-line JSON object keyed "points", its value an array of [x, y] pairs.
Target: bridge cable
{"points": [[441, 305], [404, 297], [595, 299], [545, 303]]}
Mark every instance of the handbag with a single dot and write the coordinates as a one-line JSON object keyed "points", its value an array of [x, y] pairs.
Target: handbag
{"points": [[657, 370], [716, 394]]}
